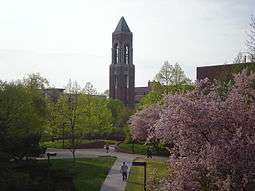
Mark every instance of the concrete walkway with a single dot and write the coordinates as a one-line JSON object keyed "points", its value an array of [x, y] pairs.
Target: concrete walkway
{"points": [[113, 181]]}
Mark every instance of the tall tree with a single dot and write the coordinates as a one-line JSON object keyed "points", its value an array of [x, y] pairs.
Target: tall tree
{"points": [[171, 75], [22, 116], [120, 113], [159, 91], [251, 38], [35, 80], [70, 103], [89, 89], [56, 120]]}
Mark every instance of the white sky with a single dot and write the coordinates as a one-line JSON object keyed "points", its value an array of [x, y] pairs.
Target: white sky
{"points": [[63, 39]]}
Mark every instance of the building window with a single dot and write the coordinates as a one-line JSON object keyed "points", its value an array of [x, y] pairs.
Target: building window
{"points": [[127, 81], [126, 54], [115, 85], [116, 54]]}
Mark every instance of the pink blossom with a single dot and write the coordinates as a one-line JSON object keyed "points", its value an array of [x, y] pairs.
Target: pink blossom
{"points": [[213, 132]]}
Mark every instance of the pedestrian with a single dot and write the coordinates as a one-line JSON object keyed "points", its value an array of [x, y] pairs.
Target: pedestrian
{"points": [[123, 171], [107, 148]]}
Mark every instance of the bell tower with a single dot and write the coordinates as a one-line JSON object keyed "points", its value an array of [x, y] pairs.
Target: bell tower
{"points": [[122, 70]]}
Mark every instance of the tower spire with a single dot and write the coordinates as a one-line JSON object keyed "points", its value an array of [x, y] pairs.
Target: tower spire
{"points": [[122, 26]]}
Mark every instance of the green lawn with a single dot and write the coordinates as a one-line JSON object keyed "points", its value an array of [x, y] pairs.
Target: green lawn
{"points": [[136, 175], [58, 144], [138, 148], [142, 149], [89, 174]]}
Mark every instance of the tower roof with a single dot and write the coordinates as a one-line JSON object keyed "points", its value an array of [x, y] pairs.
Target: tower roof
{"points": [[122, 26]]}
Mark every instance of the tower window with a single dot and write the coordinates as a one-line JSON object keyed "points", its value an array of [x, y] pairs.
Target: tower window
{"points": [[127, 78], [126, 54], [115, 85], [116, 54]]}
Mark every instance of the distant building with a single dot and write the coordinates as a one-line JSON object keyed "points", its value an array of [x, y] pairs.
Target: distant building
{"points": [[140, 92], [223, 72], [122, 69], [53, 93]]}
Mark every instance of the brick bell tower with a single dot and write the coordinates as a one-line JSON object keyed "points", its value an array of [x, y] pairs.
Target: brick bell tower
{"points": [[122, 70]]}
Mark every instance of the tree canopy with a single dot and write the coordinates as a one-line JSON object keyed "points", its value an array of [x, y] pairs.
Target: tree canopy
{"points": [[211, 133], [22, 117], [171, 74], [169, 80]]}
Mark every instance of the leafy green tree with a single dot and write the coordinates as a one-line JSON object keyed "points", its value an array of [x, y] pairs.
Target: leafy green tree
{"points": [[119, 111], [149, 99], [96, 118], [158, 91], [72, 109], [22, 115], [89, 89], [78, 112], [56, 121], [170, 80], [35, 81], [171, 75]]}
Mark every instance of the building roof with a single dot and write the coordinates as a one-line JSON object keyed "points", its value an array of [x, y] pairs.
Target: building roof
{"points": [[122, 26], [219, 71]]}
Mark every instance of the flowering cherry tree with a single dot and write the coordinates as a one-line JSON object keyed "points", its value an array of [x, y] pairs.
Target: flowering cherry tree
{"points": [[213, 132], [142, 123]]}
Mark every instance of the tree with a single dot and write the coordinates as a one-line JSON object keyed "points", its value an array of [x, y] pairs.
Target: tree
{"points": [[119, 112], [78, 113], [149, 99], [89, 89], [72, 109], [159, 91], [238, 59], [97, 116], [212, 134], [22, 115], [56, 121], [171, 75], [36, 81], [142, 123], [106, 93], [251, 37]]}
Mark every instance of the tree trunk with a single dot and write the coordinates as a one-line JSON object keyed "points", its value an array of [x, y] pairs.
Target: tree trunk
{"points": [[63, 138], [73, 152], [73, 142]]}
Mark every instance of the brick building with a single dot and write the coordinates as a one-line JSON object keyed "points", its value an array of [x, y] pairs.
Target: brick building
{"points": [[122, 69], [223, 72]]}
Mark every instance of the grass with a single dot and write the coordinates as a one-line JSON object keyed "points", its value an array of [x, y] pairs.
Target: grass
{"points": [[136, 175], [138, 148], [142, 149], [59, 145], [89, 174]]}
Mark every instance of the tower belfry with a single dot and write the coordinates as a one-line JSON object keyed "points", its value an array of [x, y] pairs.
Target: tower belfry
{"points": [[122, 69]]}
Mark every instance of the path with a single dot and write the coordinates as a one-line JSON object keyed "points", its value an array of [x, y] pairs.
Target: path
{"points": [[113, 181]]}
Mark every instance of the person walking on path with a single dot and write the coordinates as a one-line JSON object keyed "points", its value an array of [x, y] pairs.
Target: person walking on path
{"points": [[124, 170], [107, 148]]}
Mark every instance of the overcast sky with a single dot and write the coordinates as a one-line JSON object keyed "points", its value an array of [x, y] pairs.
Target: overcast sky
{"points": [[71, 39]]}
